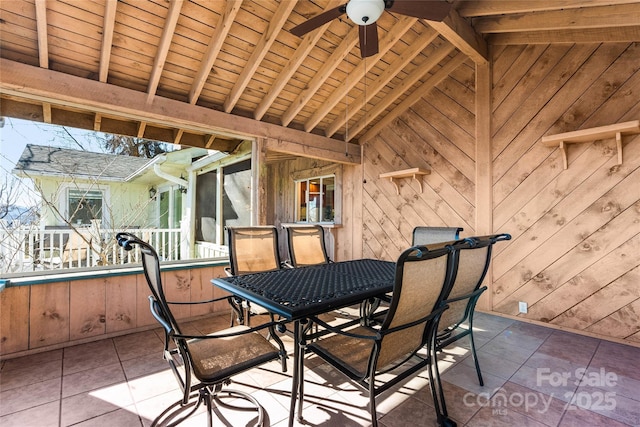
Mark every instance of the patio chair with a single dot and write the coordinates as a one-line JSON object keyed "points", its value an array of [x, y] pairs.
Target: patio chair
{"points": [[471, 262], [204, 364], [306, 245], [404, 343], [251, 250], [423, 235]]}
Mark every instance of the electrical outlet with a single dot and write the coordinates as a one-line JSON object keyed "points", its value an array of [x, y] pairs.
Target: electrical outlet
{"points": [[522, 307]]}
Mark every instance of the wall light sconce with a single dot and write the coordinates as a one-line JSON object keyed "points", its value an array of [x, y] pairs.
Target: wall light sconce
{"points": [[152, 193]]}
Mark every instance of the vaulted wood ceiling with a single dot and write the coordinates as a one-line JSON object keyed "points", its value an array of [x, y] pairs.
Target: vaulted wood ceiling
{"points": [[210, 73]]}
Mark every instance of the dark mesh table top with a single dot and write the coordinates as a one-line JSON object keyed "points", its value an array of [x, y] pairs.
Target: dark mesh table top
{"points": [[300, 292]]}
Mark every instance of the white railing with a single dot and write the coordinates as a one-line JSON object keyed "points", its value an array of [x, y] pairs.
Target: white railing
{"points": [[26, 249]]}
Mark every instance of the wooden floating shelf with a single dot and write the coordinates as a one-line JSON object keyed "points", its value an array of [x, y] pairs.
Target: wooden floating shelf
{"points": [[592, 134], [406, 173]]}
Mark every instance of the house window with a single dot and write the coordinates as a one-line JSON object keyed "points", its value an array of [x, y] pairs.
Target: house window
{"points": [[315, 199], [84, 206]]}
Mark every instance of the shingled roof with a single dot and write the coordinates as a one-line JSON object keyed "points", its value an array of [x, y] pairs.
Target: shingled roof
{"points": [[56, 161]]}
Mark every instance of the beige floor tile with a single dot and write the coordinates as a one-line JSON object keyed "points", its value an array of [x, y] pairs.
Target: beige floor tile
{"points": [[92, 379], [84, 406], [15, 376], [35, 394], [126, 417], [46, 415]]}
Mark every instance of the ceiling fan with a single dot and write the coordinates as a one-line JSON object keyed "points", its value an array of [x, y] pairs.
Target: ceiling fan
{"points": [[365, 13]]}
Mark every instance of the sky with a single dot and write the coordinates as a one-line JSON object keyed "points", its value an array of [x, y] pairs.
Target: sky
{"points": [[15, 134]]}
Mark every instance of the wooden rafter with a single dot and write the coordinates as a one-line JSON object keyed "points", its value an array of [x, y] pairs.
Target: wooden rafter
{"points": [[107, 38], [407, 82], [321, 76], [403, 25], [593, 17], [308, 43], [41, 25], [587, 35], [141, 128], [415, 96], [213, 49], [475, 8], [209, 141], [163, 48], [261, 49], [46, 112], [383, 79], [463, 36]]}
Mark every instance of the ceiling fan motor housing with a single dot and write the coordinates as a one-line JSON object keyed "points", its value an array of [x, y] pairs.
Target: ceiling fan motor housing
{"points": [[365, 12]]}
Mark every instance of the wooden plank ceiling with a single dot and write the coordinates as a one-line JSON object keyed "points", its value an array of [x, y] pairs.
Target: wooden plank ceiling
{"points": [[240, 58]]}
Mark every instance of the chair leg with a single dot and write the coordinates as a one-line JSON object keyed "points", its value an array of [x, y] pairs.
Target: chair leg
{"points": [[436, 386], [372, 402], [474, 355]]}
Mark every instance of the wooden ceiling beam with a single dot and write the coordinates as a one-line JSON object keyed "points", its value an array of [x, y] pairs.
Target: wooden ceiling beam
{"points": [[460, 34], [420, 72], [587, 35], [163, 48], [46, 112], [142, 126], [308, 43], [383, 79], [337, 56], [593, 17], [415, 96], [474, 8], [213, 49], [259, 52], [403, 25], [41, 26], [37, 84], [209, 141], [107, 38], [97, 122]]}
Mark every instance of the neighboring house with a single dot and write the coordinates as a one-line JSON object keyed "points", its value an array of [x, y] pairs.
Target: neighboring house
{"points": [[80, 186], [185, 190]]}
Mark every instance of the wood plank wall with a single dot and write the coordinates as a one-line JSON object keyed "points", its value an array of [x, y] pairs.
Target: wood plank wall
{"points": [[41, 317], [574, 258]]}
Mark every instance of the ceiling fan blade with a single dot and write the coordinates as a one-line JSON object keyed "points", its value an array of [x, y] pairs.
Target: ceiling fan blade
{"points": [[433, 10], [318, 20], [368, 39]]}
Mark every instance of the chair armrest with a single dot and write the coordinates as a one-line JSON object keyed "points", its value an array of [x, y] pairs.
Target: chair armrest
{"points": [[230, 332], [199, 302], [473, 294]]}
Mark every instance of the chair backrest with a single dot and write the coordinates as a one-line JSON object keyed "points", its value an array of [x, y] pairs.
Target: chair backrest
{"points": [[306, 245], [472, 257], [423, 235], [421, 279], [151, 266], [253, 249]]}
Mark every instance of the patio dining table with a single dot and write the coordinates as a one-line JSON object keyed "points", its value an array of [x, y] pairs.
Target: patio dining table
{"points": [[298, 293]]}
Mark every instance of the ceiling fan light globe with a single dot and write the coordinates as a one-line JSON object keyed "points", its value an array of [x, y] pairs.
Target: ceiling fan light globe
{"points": [[365, 12]]}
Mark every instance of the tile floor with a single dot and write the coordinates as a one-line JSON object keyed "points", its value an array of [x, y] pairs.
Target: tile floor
{"points": [[533, 376]]}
